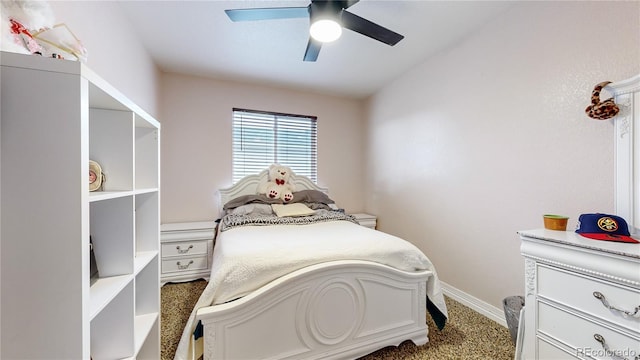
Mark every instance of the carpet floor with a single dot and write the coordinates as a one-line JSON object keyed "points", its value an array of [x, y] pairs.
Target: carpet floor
{"points": [[467, 335]]}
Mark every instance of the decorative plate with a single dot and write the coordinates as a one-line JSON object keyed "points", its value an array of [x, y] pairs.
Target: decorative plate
{"points": [[96, 177]]}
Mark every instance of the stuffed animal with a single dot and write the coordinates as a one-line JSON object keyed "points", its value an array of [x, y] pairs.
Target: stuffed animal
{"points": [[279, 185], [19, 20], [27, 26], [601, 110]]}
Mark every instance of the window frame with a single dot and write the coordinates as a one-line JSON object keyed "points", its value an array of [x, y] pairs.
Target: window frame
{"points": [[280, 123]]}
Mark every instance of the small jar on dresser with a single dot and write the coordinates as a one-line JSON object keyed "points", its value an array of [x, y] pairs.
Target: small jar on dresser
{"points": [[187, 250], [582, 297]]}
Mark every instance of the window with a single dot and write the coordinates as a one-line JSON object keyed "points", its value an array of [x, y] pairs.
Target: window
{"points": [[262, 138]]}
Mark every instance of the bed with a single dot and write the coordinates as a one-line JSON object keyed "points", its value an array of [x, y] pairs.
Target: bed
{"points": [[317, 286]]}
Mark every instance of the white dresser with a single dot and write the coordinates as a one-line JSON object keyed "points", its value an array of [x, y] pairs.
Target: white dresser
{"points": [[187, 250], [582, 297]]}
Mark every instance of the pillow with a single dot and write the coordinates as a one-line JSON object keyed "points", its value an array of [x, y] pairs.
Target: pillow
{"points": [[252, 209], [296, 209], [249, 199], [311, 196], [318, 206]]}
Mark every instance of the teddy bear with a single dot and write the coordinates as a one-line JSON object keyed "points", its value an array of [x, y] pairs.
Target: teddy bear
{"points": [[279, 184]]}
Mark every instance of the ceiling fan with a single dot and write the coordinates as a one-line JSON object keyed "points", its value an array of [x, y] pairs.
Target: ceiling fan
{"points": [[327, 18]]}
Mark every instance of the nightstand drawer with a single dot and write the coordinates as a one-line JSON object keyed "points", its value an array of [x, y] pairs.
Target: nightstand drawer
{"points": [[580, 333], [184, 264], [578, 292], [194, 247]]}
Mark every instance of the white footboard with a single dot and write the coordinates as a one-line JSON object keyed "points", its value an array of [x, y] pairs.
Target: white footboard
{"points": [[336, 310]]}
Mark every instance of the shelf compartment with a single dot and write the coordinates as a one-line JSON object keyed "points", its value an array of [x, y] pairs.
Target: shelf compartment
{"points": [[148, 288], [147, 305], [112, 330], [147, 222], [143, 325], [104, 290], [111, 146], [142, 259], [147, 157], [112, 232], [147, 337]]}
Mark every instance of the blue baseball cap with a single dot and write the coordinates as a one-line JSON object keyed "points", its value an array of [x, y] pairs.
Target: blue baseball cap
{"points": [[604, 227]]}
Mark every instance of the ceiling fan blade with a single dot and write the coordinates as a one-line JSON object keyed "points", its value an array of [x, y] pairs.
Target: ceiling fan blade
{"points": [[367, 28], [313, 49], [340, 4], [348, 3], [267, 13]]}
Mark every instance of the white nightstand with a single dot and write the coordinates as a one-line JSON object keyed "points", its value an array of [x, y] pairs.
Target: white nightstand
{"points": [[367, 220], [186, 250]]}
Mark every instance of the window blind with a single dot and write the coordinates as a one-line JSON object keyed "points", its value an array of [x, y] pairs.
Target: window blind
{"points": [[262, 138]]}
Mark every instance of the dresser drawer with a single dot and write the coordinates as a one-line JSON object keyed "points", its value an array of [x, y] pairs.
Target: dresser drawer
{"points": [[579, 333], [184, 264], [181, 248], [577, 291], [549, 351]]}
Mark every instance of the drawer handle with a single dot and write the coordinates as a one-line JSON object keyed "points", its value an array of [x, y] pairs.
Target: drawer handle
{"points": [[185, 266], [184, 251], [613, 353], [598, 295]]}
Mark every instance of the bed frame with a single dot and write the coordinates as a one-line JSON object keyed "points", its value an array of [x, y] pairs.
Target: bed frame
{"points": [[334, 310]]}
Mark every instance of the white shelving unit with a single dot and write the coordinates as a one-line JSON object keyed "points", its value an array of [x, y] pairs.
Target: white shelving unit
{"points": [[56, 115]]}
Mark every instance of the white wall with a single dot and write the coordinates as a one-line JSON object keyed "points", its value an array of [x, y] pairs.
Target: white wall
{"points": [[494, 135], [196, 141], [114, 52]]}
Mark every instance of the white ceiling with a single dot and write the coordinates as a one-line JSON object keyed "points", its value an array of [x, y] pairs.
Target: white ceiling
{"points": [[197, 38]]}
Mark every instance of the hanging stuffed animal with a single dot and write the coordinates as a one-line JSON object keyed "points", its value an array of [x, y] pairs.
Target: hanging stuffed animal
{"points": [[601, 110]]}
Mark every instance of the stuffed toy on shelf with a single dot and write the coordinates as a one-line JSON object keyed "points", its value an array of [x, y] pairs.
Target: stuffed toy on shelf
{"points": [[28, 27], [19, 20]]}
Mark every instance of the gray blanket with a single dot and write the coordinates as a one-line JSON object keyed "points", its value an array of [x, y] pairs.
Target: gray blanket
{"points": [[231, 220]]}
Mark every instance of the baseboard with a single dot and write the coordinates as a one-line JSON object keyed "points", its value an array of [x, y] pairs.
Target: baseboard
{"points": [[486, 309]]}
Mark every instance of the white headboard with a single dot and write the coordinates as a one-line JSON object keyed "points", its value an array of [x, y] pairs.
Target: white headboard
{"points": [[250, 184]]}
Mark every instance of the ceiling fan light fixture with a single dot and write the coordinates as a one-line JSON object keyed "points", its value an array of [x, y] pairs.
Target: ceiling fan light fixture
{"points": [[325, 30]]}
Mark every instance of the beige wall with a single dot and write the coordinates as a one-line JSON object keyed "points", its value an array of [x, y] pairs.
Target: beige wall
{"points": [[494, 135], [113, 52], [196, 141]]}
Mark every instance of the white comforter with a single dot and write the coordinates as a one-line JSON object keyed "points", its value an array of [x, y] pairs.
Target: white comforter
{"points": [[247, 258]]}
